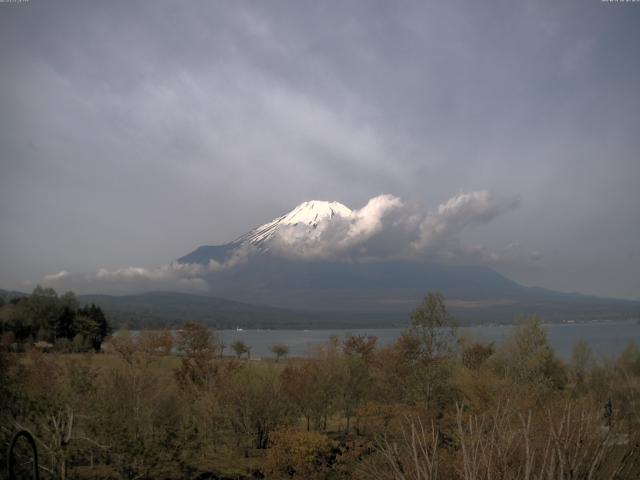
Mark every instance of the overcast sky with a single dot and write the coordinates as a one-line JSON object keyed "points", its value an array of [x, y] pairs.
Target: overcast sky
{"points": [[132, 132]]}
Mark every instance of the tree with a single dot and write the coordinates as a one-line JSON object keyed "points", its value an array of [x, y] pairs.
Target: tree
{"points": [[299, 455], [330, 372], [280, 350], [303, 387], [78, 343], [430, 343], [195, 338], [256, 402], [527, 359], [69, 300], [582, 361], [475, 354], [58, 408], [394, 369], [199, 347], [138, 417], [43, 307], [432, 324], [64, 325], [143, 348], [360, 345], [93, 324], [356, 385], [50, 318], [240, 348], [11, 387], [357, 382], [630, 359]]}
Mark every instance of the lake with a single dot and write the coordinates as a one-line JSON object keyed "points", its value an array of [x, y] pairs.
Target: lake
{"points": [[607, 339]]}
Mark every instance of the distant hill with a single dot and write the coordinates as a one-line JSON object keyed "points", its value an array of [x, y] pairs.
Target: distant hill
{"points": [[171, 309], [476, 294], [255, 282], [8, 295], [155, 309]]}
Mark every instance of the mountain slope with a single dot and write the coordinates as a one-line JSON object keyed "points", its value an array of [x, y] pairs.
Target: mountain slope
{"points": [[8, 295], [171, 309], [385, 287], [205, 253], [313, 215], [155, 309]]}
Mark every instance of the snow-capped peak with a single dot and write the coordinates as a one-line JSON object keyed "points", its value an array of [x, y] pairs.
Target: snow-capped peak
{"points": [[309, 214]]}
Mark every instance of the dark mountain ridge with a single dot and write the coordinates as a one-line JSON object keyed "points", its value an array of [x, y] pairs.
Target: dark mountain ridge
{"points": [[264, 267], [255, 282]]}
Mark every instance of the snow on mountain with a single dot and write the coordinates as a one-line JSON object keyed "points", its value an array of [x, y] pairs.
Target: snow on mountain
{"points": [[306, 223], [314, 214], [296, 262], [384, 228]]}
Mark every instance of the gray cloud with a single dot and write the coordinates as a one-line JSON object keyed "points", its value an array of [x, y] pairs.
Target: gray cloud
{"points": [[176, 276], [386, 228], [131, 132], [440, 230], [342, 236], [383, 229]]}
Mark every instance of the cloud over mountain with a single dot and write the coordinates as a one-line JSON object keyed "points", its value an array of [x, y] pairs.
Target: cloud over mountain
{"points": [[383, 229], [440, 231], [386, 228], [241, 108], [173, 276]]}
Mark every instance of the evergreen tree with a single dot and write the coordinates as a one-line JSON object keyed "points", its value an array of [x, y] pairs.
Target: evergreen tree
{"points": [[64, 325], [46, 317]]}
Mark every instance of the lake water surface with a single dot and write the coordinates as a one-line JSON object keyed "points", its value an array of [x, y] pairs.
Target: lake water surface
{"points": [[607, 339]]}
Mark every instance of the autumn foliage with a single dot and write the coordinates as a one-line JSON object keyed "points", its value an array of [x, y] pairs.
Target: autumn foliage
{"points": [[433, 405]]}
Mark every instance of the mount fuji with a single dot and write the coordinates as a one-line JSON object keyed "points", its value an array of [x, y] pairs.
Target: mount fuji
{"points": [[306, 260], [311, 218]]}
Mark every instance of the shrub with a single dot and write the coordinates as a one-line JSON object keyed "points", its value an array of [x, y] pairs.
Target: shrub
{"points": [[298, 454]]}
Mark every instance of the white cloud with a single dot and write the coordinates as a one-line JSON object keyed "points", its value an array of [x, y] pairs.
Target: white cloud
{"points": [[385, 228], [61, 275], [368, 220], [182, 277], [341, 236], [238, 257], [173, 276], [440, 230]]}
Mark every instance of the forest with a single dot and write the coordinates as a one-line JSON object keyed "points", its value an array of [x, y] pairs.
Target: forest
{"points": [[434, 405], [49, 321]]}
